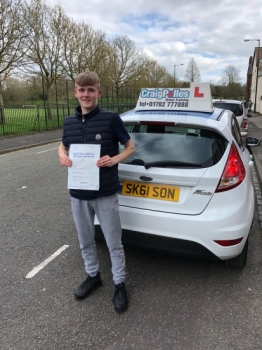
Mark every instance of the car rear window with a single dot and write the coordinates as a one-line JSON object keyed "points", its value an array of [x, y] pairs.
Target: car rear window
{"points": [[236, 108], [175, 146]]}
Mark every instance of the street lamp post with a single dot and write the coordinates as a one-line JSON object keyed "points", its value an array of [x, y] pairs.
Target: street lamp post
{"points": [[181, 64], [255, 105]]}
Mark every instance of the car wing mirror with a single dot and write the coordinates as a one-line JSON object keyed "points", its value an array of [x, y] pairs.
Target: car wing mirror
{"points": [[252, 141]]}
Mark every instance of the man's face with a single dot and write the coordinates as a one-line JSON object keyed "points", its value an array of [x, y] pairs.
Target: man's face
{"points": [[87, 97]]}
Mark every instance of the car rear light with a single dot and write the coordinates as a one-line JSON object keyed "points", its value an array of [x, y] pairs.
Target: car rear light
{"points": [[234, 171], [244, 124], [229, 242]]}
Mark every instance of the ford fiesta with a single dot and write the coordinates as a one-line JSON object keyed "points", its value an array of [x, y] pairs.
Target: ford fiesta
{"points": [[188, 188]]}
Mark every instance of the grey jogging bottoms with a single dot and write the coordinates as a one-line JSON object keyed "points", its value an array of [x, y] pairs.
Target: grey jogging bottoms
{"points": [[107, 211]]}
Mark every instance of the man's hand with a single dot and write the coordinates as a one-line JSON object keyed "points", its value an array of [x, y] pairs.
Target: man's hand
{"points": [[65, 160], [105, 161], [63, 156]]}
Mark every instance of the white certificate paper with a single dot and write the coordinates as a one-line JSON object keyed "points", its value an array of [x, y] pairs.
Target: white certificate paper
{"points": [[84, 173]]}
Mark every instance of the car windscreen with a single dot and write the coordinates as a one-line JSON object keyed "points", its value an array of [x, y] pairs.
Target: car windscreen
{"points": [[233, 107], [175, 146]]}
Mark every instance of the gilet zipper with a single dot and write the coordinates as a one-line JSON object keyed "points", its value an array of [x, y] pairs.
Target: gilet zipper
{"points": [[83, 121]]}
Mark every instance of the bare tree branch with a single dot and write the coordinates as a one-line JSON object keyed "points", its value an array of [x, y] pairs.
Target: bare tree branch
{"points": [[44, 29], [192, 72], [85, 49], [230, 75], [126, 63]]}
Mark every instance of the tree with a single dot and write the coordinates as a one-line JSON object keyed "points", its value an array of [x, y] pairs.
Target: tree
{"points": [[192, 72], [11, 42], [45, 27], [230, 75], [13, 90], [233, 91], [155, 75], [125, 64], [84, 48]]}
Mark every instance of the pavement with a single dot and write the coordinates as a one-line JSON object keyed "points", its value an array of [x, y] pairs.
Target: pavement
{"points": [[15, 143], [255, 129]]}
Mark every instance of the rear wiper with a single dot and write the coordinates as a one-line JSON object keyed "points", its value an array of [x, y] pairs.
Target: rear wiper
{"points": [[137, 162], [163, 163]]}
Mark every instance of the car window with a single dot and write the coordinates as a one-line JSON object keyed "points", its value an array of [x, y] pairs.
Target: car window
{"points": [[162, 142], [236, 108], [236, 132]]}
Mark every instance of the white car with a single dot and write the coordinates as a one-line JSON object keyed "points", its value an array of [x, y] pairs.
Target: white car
{"points": [[188, 188], [239, 109]]}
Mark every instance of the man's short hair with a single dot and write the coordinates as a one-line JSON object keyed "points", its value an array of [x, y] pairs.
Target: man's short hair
{"points": [[87, 78]]}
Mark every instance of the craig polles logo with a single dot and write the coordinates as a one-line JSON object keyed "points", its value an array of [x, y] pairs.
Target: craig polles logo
{"points": [[165, 93]]}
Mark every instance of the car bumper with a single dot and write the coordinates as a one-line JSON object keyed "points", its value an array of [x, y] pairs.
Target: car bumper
{"points": [[228, 216], [162, 244]]}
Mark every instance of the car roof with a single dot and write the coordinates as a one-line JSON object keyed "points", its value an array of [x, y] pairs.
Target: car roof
{"points": [[214, 115], [227, 101]]}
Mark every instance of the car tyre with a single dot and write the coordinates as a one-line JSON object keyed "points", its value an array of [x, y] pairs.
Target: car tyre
{"points": [[239, 261]]}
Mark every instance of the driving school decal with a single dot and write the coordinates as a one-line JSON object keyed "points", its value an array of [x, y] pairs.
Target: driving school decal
{"points": [[197, 98]]}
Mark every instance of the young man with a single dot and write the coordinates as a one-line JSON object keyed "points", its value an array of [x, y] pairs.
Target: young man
{"points": [[91, 125]]}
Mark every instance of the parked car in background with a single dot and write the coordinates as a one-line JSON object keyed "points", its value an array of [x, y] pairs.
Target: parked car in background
{"points": [[188, 188], [240, 111]]}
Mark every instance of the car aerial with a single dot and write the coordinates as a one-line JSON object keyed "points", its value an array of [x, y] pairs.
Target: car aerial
{"points": [[188, 188], [239, 109]]}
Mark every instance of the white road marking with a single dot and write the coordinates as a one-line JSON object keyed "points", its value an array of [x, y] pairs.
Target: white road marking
{"points": [[44, 263], [47, 150]]}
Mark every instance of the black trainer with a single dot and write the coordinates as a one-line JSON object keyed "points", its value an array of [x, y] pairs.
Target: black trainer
{"points": [[85, 288], [120, 298]]}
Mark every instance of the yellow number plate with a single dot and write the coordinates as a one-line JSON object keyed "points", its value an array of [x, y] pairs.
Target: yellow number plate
{"points": [[154, 191]]}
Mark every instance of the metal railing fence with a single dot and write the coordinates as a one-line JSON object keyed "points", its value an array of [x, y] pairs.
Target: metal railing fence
{"points": [[42, 115], [30, 118]]}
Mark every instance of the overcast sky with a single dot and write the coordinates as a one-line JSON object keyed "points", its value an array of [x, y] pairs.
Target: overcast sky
{"points": [[173, 31]]}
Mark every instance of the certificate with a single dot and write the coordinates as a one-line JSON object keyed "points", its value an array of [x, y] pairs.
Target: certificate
{"points": [[84, 173]]}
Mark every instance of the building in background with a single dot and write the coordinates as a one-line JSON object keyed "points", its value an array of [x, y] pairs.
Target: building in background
{"points": [[254, 80]]}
